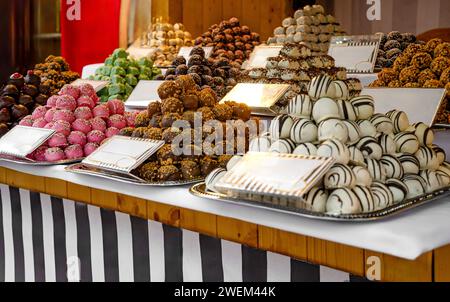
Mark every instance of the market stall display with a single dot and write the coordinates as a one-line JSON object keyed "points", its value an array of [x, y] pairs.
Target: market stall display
{"points": [[392, 46], [310, 26]]}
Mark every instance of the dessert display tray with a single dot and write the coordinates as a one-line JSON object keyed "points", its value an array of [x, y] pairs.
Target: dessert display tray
{"points": [[40, 164], [123, 178], [199, 190]]}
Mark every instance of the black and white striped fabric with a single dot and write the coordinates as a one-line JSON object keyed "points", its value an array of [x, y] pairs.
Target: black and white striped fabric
{"points": [[47, 239]]}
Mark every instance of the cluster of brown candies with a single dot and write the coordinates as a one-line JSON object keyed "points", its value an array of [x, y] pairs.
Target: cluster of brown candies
{"points": [[392, 45], [55, 73]]}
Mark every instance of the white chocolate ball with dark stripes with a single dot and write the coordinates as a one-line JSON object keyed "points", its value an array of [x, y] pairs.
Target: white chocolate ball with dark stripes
{"points": [[346, 110], [382, 196], [432, 179], [356, 156], [440, 153], [354, 132], [363, 177], [445, 168], [399, 119], [365, 198], [300, 106], [304, 131], [316, 200], [306, 149], [376, 169], [406, 143], [424, 134], [321, 86], [213, 178], [333, 129], [393, 166], [427, 158], [382, 123], [336, 150], [342, 91], [370, 148], [260, 144], [325, 108], [340, 176], [409, 163], [398, 188], [365, 106], [444, 178], [387, 144], [233, 162], [282, 146], [367, 129], [281, 126], [416, 186], [343, 202]]}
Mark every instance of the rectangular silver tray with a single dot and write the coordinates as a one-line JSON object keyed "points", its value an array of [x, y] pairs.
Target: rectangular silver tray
{"points": [[199, 190], [40, 164], [84, 170]]}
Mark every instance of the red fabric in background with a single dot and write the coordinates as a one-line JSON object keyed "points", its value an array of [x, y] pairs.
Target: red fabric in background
{"points": [[92, 38]]}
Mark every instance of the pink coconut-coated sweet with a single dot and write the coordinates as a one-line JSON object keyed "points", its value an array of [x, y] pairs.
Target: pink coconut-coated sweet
{"points": [[27, 121], [117, 121], [101, 111], [39, 112], [99, 124], [49, 125], [83, 113], [39, 154], [87, 89], [110, 132], [54, 154], [82, 126], [71, 90], [64, 115], [86, 101], [49, 115], [95, 136], [62, 127], [58, 140], [74, 152], [90, 148], [131, 117], [66, 102], [51, 102], [77, 138], [39, 123], [116, 107]]}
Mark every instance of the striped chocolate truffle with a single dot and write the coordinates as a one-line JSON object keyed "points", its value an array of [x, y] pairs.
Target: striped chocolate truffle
{"points": [[367, 129], [382, 196], [409, 163], [365, 198], [399, 119], [283, 146], [427, 158], [316, 200], [306, 149], [398, 188], [432, 179], [445, 168], [300, 106], [354, 132], [333, 129], [440, 153], [365, 106], [281, 127], [382, 123], [336, 150], [212, 179], [393, 166], [387, 144], [340, 176], [346, 110], [406, 143], [370, 148], [304, 131], [325, 108], [342, 91], [321, 86], [356, 156], [376, 169], [260, 144], [363, 177], [416, 186], [424, 134], [444, 178], [343, 202]]}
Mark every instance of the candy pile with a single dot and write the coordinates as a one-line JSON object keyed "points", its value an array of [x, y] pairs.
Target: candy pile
{"points": [[123, 73], [81, 124], [230, 40], [391, 47], [309, 26], [381, 160], [55, 73], [19, 97]]}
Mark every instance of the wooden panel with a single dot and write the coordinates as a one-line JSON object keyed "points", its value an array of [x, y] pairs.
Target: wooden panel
{"points": [[104, 199], [25, 181], [212, 12], [200, 222], [78, 193], [271, 15], [56, 187], [165, 214], [394, 269], [193, 22], [232, 9], [237, 231], [131, 205], [337, 256], [160, 9], [285, 243], [251, 14], [442, 264], [3, 175], [175, 11]]}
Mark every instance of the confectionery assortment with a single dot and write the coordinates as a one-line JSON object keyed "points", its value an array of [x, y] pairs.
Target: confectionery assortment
{"points": [[19, 97], [230, 40], [123, 74], [55, 73], [380, 159], [309, 26], [216, 74], [392, 46]]}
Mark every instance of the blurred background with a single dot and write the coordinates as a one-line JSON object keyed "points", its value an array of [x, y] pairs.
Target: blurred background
{"points": [[33, 27]]}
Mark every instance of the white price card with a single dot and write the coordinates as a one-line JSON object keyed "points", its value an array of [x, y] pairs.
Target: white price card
{"points": [[98, 85], [260, 54], [123, 154], [22, 141], [143, 94], [185, 52]]}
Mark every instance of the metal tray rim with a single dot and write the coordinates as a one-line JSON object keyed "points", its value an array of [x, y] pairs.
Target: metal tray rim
{"points": [[41, 164]]}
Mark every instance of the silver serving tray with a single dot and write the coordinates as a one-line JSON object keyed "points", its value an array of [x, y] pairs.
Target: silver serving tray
{"points": [[199, 190], [83, 170], [40, 163]]}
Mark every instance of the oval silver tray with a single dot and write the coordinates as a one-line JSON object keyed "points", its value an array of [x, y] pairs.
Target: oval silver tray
{"points": [[81, 169], [199, 190], [40, 163]]}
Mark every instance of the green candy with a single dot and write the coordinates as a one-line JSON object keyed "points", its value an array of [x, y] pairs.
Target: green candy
{"points": [[100, 70], [120, 53], [121, 63], [133, 70], [117, 79], [156, 71], [104, 98], [131, 80], [106, 78], [103, 92], [145, 62], [146, 70], [98, 77], [109, 61], [118, 71], [128, 89], [144, 77], [91, 77], [116, 97], [116, 89], [106, 70]]}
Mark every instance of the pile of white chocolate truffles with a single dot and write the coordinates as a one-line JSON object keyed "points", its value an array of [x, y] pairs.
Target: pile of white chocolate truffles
{"points": [[310, 26], [380, 159]]}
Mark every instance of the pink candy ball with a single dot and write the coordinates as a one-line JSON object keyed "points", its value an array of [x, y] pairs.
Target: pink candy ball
{"points": [[51, 102], [98, 124], [74, 152], [90, 148], [71, 90], [82, 126], [66, 102], [49, 125], [58, 140], [131, 117], [110, 132], [83, 113], [39, 123], [54, 154], [39, 112], [62, 127], [101, 111], [39, 154], [27, 121], [77, 138], [116, 107], [117, 121], [49, 115], [95, 136], [86, 101], [87, 90], [64, 115]]}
